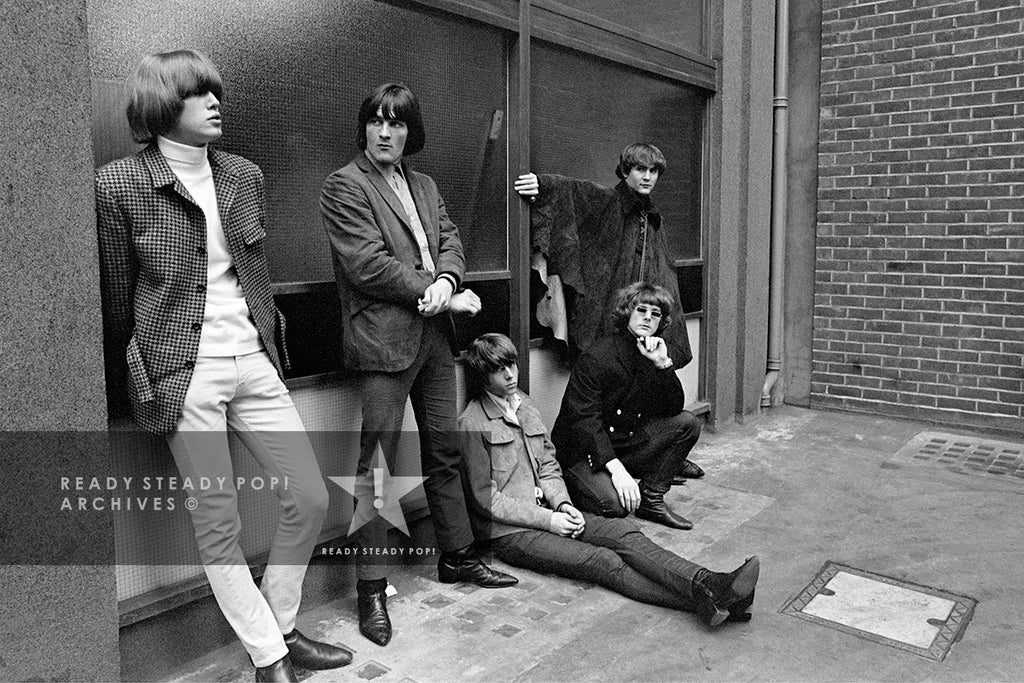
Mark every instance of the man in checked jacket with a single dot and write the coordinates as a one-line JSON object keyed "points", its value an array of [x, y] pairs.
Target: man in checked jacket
{"points": [[192, 330]]}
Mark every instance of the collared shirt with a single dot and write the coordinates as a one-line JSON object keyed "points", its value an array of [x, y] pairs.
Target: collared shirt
{"points": [[509, 405], [398, 183]]}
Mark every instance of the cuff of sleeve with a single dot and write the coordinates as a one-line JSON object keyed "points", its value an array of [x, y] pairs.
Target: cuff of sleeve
{"points": [[450, 278]]}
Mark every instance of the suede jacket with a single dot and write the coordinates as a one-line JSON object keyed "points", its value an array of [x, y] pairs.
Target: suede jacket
{"points": [[504, 464]]}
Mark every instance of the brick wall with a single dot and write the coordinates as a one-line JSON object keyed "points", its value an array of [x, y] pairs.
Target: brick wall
{"points": [[919, 290]]}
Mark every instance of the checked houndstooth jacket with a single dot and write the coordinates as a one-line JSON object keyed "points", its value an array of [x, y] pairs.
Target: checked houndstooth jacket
{"points": [[153, 260]]}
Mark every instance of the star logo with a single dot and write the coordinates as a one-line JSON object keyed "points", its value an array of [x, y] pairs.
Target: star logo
{"points": [[378, 493]]}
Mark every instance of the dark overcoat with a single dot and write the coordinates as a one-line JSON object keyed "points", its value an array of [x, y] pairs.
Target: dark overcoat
{"points": [[588, 234]]}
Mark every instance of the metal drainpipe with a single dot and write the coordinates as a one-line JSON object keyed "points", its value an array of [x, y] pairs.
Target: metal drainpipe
{"points": [[779, 191]]}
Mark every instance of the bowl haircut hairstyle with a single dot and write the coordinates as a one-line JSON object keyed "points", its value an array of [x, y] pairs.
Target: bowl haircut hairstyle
{"points": [[488, 353], [397, 103], [159, 86], [640, 154], [628, 298]]}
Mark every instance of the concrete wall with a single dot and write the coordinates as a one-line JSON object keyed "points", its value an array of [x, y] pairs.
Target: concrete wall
{"points": [[920, 254], [59, 620], [739, 208]]}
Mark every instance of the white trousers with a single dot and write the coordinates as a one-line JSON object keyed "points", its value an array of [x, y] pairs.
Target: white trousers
{"points": [[245, 394]]}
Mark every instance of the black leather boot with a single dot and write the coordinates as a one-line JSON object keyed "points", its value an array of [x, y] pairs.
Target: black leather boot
{"points": [[374, 622], [312, 654], [726, 597], [279, 672], [463, 565], [653, 507]]}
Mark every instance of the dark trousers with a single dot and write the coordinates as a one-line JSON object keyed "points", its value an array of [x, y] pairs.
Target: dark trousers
{"points": [[672, 439], [430, 383], [610, 552]]}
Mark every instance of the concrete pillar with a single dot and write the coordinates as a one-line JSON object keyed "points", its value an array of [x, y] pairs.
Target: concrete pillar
{"points": [[58, 619], [804, 73], [742, 39]]}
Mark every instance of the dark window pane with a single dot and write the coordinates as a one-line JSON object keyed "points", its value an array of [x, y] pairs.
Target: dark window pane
{"points": [[295, 74], [691, 288], [679, 22]]}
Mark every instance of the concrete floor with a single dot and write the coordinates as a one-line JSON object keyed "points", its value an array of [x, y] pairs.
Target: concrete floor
{"points": [[799, 488]]}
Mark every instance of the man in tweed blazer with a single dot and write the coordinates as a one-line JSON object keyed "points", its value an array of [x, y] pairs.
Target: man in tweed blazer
{"points": [[153, 324], [192, 330]]}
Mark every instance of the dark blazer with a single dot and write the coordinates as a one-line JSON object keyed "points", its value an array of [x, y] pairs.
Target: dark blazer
{"points": [[377, 262], [612, 392], [153, 260]]}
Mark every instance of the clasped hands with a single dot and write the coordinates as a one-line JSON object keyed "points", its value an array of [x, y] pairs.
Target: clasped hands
{"points": [[566, 521], [439, 297]]}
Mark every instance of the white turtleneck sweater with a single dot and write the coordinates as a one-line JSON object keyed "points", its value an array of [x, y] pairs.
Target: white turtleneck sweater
{"points": [[228, 329]]}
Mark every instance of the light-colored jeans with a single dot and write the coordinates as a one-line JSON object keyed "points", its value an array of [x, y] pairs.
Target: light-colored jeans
{"points": [[245, 394]]}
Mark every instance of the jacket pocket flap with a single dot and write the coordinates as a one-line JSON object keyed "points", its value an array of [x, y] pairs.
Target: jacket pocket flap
{"points": [[498, 436], [138, 379], [531, 428], [253, 232]]}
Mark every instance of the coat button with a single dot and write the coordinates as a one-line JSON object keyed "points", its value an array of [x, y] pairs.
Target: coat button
{"points": [[200, 288], [619, 411], [200, 250], [190, 364], [611, 429], [197, 327], [631, 433]]}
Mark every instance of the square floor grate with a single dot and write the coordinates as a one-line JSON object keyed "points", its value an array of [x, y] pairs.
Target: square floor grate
{"points": [[968, 455], [900, 614]]}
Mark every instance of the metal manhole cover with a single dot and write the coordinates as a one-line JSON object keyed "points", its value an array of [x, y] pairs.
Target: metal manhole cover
{"points": [[900, 614], [965, 454]]}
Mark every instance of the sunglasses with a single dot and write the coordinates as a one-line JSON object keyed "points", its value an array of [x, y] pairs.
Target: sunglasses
{"points": [[644, 310]]}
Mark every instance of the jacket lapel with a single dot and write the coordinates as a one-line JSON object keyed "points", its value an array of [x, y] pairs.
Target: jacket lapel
{"points": [[161, 174], [225, 184], [423, 205], [381, 185]]}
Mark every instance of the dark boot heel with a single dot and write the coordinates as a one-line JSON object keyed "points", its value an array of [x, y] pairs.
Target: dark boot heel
{"points": [[722, 597]]}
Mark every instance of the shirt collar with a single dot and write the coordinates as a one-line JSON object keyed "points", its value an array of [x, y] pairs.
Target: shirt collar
{"points": [[510, 406]]}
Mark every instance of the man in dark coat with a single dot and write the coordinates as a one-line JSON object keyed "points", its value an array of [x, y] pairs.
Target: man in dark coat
{"points": [[589, 241], [622, 415]]}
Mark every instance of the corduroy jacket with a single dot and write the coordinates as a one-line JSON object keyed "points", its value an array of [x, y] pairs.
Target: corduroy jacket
{"points": [[377, 264], [153, 269]]}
